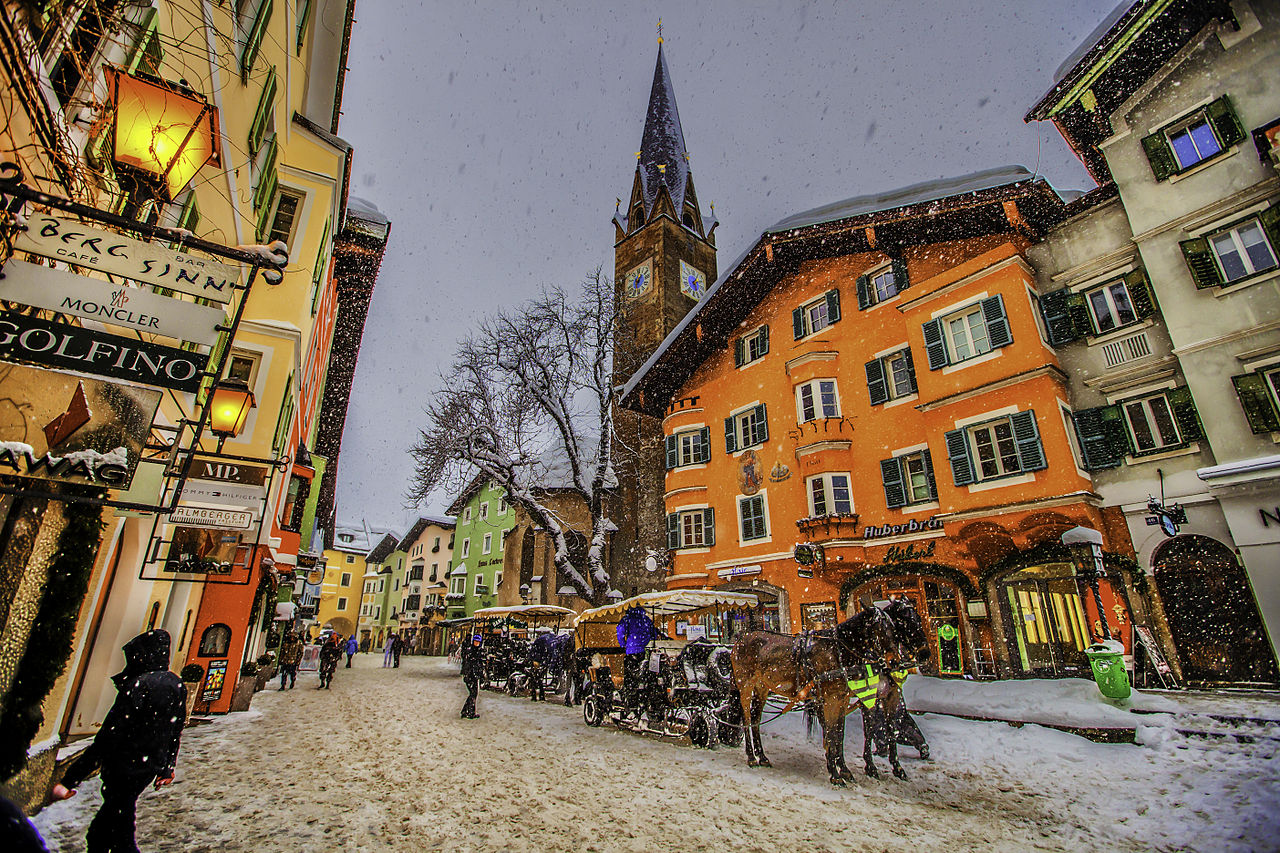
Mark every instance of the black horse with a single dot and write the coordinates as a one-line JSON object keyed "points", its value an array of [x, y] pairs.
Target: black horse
{"points": [[899, 728]]}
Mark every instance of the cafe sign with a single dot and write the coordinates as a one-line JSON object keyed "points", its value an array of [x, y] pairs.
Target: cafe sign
{"points": [[88, 350], [149, 263], [69, 429], [738, 571], [94, 299], [872, 531]]}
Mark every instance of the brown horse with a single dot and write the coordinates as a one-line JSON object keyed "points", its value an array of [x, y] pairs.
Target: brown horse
{"points": [[815, 668]]}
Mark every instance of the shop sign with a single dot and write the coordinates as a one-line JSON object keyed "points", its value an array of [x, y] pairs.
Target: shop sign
{"points": [[872, 531], [214, 680], [222, 494], [199, 516], [228, 472], [120, 305], [200, 551], [738, 571], [150, 263], [910, 552], [91, 351], [55, 426], [695, 632]]}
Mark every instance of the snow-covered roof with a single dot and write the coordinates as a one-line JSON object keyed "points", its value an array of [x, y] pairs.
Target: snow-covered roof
{"points": [[356, 538], [1092, 39], [366, 210]]}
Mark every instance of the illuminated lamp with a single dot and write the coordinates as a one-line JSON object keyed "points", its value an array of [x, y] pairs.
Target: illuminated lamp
{"points": [[229, 408], [163, 131]]}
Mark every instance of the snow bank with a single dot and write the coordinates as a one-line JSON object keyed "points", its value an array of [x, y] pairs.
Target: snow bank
{"points": [[1054, 702]]}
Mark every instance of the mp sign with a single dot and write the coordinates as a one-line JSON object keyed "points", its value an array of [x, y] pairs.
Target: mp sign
{"points": [[95, 299], [149, 263], [91, 351]]}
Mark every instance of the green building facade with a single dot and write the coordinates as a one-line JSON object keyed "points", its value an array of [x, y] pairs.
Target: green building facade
{"points": [[483, 520]]}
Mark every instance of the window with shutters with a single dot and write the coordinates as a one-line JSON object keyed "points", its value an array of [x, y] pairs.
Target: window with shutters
{"points": [[254, 30], [747, 428], [908, 479], [1110, 307], [1193, 139], [753, 518], [752, 346], [881, 284], [1151, 424], [1069, 316], [1000, 447], [691, 528], [817, 399], [285, 218], [816, 315], [829, 495], [689, 447], [891, 377], [1242, 251], [1259, 394], [968, 333]]}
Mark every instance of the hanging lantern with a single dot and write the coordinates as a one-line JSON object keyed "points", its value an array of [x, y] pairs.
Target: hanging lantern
{"points": [[229, 408], [164, 132]]}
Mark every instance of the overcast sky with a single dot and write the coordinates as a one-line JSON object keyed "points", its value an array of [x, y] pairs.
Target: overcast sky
{"points": [[497, 136]]}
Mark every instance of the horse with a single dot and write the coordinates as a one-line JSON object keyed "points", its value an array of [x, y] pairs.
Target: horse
{"points": [[888, 721], [814, 667]]}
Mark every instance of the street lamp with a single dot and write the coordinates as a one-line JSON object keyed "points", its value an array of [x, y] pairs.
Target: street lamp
{"points": [[163, 131], [1085, 545], [229, 407], [525, 592]]}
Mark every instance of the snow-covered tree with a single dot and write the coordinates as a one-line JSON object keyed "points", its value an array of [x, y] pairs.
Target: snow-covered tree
{"points": [[528, 402]]}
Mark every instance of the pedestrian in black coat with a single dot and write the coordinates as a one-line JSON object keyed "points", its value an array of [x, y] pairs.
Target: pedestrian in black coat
{"points": [[137, 744], [330, 654], [472, 665], [397, 648]]}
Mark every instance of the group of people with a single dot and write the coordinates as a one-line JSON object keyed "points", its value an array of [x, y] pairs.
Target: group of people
{"points": [[392, 650], [331, 652]]}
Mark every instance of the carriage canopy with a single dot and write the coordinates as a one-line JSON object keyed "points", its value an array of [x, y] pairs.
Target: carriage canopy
{"points": [[668, 603]]}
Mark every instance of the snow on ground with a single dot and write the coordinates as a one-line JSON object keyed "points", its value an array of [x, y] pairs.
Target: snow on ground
{"points": [[383, 762]]}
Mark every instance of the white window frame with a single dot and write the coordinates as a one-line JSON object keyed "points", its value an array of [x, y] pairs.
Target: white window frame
{"points": [[466, 515], [693, 523], [814, 387], [813, 309], [882, 275], [739, 421], [1238, 245], [1113, 312], [1152, 426], [466, 547], [908, 488], [764, 504], [458, 585], [687, 441], [1199, 117], [950, 340], [484, 510], [827, 481], [750, 340], [890, 379], [486, 546], [999, 456], [475, 589], [502, 506], [346, 579]]}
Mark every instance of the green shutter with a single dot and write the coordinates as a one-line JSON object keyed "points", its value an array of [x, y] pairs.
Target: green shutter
{"points": [[911, 368], [1270, 219], [833, 306], [958, 453], [863, 288], [877, 385], [1225, 123], [1104, 441], [286, 415], [146, 52], [900, 280], [1140, 294], [797, 322], [318, 275], [730, 435], [997, 320], [934, 346], [1026, 434], [928, 470], [304, 15], [673, 531], [1055, 309], [739, 352], [253, 41], [762, 420], [704, 444], [1184, 412], [895, 489], [1255, 398], [764, 339], [1160, 155], [1078, 308], [1200, 260], [265, 189], [709, 526], [266, 103], [673, 458]]}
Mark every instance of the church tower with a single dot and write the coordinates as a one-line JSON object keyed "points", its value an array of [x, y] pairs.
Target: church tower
{"points": [[664, 261]]}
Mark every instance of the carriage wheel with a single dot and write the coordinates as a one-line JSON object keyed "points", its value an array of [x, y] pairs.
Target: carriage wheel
{"points": [[700, 732], [593, 711]]}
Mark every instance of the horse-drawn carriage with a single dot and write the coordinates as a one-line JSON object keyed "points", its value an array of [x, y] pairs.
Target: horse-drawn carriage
{"points": [[513, 652], [683, 684]]}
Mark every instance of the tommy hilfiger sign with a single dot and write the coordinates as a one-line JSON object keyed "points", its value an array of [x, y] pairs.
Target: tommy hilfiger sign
{"points": [[77, 348], [73, 242], [95, 299]]}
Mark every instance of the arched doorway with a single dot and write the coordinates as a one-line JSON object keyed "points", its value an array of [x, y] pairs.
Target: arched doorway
{"points": [[1211, 612], [1048, 627]]}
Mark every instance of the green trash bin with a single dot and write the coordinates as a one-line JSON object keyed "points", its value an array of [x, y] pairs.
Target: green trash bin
{"points": [[1107, 661]]}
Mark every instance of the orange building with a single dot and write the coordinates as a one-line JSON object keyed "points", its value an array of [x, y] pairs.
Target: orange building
{"points": [[873, 378]]}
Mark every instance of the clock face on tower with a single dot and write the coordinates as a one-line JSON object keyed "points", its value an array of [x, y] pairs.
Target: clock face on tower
{"points": [[639, 281], [692, 282]]}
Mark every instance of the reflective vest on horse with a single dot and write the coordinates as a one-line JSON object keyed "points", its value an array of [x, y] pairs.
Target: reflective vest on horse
{"points": [[864, 689]]}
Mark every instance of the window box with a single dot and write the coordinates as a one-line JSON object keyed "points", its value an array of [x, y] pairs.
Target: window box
{"points": [[1194, 139], [1237, 253], [817, 399], [1144, 425], [829, 527], [891, 377], [1259, 395], [995, 449], [688, 447], [751, 347], [882, 284], [816, 315], [691, 528], [968, 333], [746, 429], [908, 479]]}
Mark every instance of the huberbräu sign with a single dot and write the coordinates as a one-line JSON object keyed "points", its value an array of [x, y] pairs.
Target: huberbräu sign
{"points": [[91, 351], [150, 263], [94, 299]]}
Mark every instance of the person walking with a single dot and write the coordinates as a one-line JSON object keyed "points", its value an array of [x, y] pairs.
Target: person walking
{"points": [[472, 663], [353, 646], [137, 744], [397, 648], [290, 657], [330, 654], [387, 651]]}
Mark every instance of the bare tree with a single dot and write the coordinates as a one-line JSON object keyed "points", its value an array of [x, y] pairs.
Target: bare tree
{"points": [[528, 402]]}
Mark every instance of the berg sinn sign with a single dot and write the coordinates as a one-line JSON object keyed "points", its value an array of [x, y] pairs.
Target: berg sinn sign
{"points": [[90, 351], [70, 241]]}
